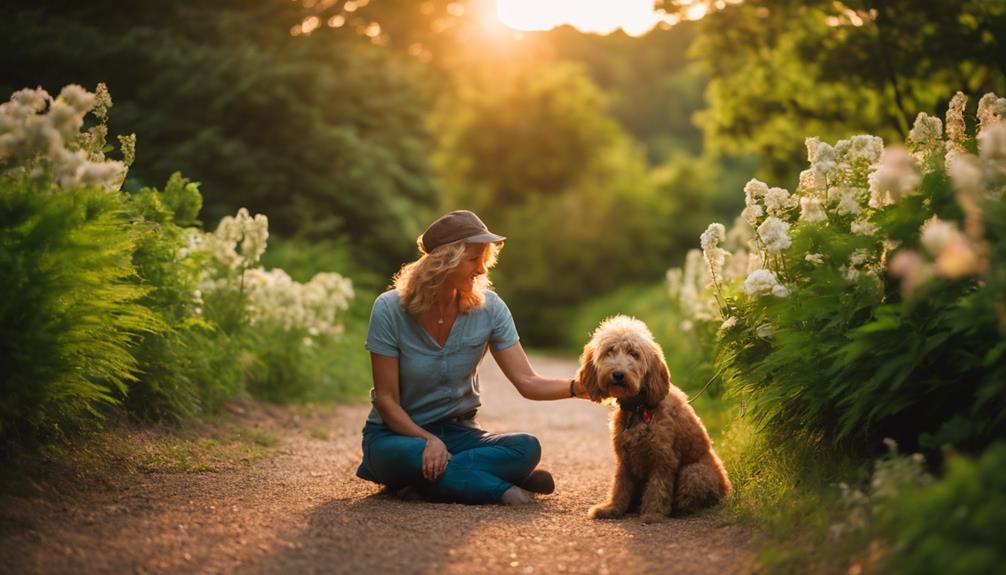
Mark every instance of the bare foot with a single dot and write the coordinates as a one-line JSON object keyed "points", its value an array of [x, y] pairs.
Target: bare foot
{"points": [[515, 496]]}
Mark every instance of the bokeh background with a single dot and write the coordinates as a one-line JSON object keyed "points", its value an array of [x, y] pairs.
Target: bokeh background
{"points": [[602, 157]]}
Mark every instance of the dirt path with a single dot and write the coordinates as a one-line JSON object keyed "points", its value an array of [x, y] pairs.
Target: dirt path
{"points": [[304, 511]]}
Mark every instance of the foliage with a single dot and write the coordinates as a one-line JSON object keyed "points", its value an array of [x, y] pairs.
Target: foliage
{"points": [[563, 182], [838, 68], [70, 307], [920, 361], [120, 298], [953, 525], [189, 369], [326, 133]]}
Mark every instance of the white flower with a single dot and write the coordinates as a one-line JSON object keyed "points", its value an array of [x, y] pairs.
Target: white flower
{"points": [[992, 150], [812, 182], [860, 257], [823, 158], [955, 118], [991, 110], [848, 201], [313, 307], [937, 234], [965, 172], [752, 213], [40, 137], [911, 269], [895, 178], [33, 101], [774, 233], [674, 278], [866, 149], [780, 290], [814, 258], [108, 174], [694, 297], [65, 119], [728, 323], [78, 98], [850, 273], [926, 138], [864, 228], [759, 282], [754, 190], [811, 210], [250, 233], [777, 201], [713, 236]]}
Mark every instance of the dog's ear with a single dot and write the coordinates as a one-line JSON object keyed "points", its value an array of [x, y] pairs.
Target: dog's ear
{"points": [[658, 378], [586, 376]]}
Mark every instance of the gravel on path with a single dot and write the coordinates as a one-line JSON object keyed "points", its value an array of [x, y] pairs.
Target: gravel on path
{"points": [[303, 510]]}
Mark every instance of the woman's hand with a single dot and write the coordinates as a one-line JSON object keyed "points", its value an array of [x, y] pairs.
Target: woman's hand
{"points": [[435, 458]]}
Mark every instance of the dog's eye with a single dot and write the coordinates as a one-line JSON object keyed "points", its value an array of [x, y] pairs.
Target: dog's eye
{"points": [[634, 354]]}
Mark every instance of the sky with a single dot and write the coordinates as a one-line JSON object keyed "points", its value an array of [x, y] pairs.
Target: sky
{"points": [[635, 17]]}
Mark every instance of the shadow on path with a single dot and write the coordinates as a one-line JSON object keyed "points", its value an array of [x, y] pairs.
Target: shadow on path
{"points": [[381, 534]]}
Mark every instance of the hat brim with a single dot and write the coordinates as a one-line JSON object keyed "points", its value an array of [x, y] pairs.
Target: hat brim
{"points": [[487, 238]]}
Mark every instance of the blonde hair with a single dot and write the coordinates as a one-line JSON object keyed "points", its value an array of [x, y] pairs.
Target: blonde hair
{"points": [[417, 282]]}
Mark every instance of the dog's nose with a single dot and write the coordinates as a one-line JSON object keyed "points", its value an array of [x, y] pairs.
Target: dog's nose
{"points": [[618, 376]]}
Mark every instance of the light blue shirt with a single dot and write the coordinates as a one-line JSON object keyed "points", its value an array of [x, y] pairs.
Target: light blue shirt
{"points": [[437, 382]]}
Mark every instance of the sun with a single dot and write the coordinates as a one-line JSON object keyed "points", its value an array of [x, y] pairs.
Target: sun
{"points": [[635, 17]]}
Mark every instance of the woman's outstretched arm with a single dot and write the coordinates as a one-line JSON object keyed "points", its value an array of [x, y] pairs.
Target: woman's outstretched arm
{"points": [[515, 365]]}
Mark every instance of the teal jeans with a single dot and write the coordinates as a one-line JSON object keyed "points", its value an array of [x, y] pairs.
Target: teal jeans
{"points": [[482, 466]]}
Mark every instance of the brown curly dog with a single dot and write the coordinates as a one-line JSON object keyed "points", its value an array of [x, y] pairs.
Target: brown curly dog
{"points": [[665, 461]]}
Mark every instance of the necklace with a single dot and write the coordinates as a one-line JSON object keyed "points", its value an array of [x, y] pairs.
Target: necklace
{"points": [[441, 310]]}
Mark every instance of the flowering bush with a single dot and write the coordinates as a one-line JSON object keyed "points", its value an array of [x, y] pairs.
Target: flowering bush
{"points": [[282, 320], [953, 525], [104, 291], [872, 301], [70, 306], [269, 297]]}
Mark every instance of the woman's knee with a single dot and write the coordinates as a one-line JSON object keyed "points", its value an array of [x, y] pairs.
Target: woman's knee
{"points": [[396, 459], [527, 445]]}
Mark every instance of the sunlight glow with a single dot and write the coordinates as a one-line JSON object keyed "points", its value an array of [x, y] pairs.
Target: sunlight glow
{"points": [[635, 17]]}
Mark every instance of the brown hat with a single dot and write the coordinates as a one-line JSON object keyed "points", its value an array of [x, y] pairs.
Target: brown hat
{"points": [[459, 225]]}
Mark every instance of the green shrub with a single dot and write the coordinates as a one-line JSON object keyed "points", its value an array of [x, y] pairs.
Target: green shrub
{"points": [[69, 305], [873, 303], [194, 366], [330, 368], [954, 525], [122, 299]]}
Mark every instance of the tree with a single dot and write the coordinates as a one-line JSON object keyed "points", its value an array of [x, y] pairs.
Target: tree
{"points": [[781, 70], [324, 133], [535, 153]]}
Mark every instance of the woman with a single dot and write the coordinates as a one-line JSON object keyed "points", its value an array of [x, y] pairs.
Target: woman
{"points": [[427, 337]]}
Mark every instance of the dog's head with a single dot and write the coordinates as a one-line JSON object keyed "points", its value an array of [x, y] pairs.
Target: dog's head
{"points": [[622, 360]]}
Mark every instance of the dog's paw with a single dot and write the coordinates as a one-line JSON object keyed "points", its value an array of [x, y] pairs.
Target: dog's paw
{"points": [[652, 517], [604, 511]]}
